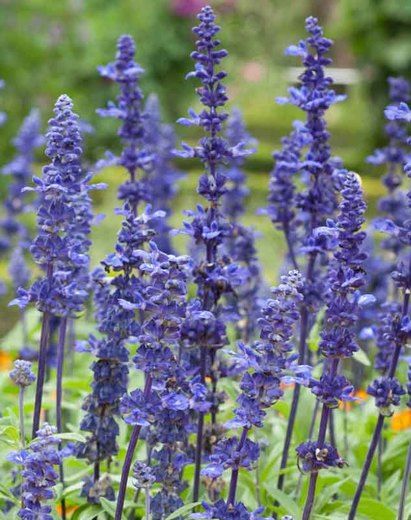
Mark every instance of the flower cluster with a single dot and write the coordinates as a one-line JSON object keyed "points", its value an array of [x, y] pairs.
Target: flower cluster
{"points": [[338, 336], [159, 139], [346, 274], [39, 474], [240, 244], [312, 457], [266, 363], [387, 392], [58, 248], [164, 405], [22, 375], [128, 109], [315, 96], [282, 189], [214, 275], [20, 169], [394, 157], [116, 301]]}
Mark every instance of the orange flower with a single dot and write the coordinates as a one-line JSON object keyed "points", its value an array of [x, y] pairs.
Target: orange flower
{"points": [[69, 509], [6, 361], [401, 420], [361, 394], [285, 386]]}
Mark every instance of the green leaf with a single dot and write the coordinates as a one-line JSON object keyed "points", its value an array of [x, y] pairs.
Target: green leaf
{"points": [[362, 358], [86, 512], [183, 510], [71, 436], [5, 492], [284, 500], [108, 506], [314, 337], [71, 489]]}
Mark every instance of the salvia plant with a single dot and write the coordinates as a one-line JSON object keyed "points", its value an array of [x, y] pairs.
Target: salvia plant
{"points": [[209, 395]]}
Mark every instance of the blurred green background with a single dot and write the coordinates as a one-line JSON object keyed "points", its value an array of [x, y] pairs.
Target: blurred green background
{"points": [[49, 48], [53, 47]]}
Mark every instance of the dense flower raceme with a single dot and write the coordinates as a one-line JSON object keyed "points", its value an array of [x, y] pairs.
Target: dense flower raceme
{"points": [[302, 214], [22, 375], [240, 244], [394, 157], [267, 361], [394, 329], [20, 169], [315, 96], [213, 274], [164, 413], [282, 188], [128, 109], [338, 336], [63, 218], [162, 181], [39, 475], [116, 299]]}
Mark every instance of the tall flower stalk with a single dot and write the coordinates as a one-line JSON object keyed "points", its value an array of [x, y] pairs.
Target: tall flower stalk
{"points": [[208, 227], [22, 376], [318, 202], [116, 297], [38, 473], [61, 246], [386, 389], [267, 362], [55, 248], [338, 336]]}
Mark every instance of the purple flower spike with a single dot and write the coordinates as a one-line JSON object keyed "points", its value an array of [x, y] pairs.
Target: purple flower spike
{"points": [[22, 374], [39, 474], [387, 392], [214, 274], [128, 109], [20, 169]]}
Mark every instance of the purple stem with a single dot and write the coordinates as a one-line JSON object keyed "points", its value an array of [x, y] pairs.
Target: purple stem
{"points": [[41, 371], [200, 427], [367, 465], [60, 365], [314, 475], [234, 473], [310, 436], [296, 394], [322, 432], [380, 422], [59, 396], [129, 457]]}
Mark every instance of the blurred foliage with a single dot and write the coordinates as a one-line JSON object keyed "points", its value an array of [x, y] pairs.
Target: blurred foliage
{"points": [[55, 47], [379, 34]]}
